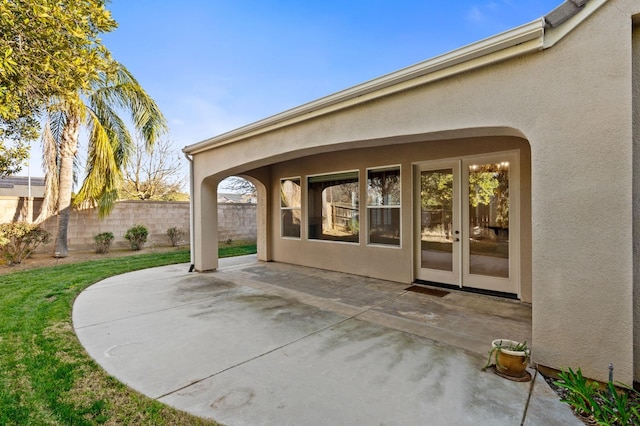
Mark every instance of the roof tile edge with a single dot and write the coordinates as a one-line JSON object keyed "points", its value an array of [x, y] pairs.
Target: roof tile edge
{"points": [[566, 17]]}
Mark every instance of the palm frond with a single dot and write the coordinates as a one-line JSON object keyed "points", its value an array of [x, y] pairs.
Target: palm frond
{"points": [[52, 132], [110, 142], [103, 173], [108, 118], [125, 92]]}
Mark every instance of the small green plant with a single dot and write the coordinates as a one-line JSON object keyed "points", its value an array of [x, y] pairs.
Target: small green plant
{"points": [[137, 236], [607, 406], [103, 242], [354, 226], [176, 236], [19, 239], [510, 346]]}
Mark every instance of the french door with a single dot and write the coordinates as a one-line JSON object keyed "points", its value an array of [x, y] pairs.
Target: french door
{"points": [[467, 222]]}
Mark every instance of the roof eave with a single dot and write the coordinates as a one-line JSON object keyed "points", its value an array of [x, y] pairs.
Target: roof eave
{"points": [[534, 36], [515, 42], [566, 17]]}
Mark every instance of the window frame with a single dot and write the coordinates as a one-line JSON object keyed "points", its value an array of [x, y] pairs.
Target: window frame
{"points": [[283, 209], [309, 179], [398, 206]]}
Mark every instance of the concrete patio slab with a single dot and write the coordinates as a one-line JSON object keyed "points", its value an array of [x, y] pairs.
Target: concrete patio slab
{"points": [[263, 344]]}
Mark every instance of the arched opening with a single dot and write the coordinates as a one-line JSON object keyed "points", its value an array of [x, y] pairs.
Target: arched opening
{"points": [[242, 212]]}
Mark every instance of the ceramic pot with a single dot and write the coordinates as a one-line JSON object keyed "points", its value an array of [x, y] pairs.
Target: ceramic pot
{"points": [[509, 362]]}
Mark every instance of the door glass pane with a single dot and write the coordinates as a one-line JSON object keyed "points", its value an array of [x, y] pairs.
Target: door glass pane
{"points": [[489, 219], [436, 199]]}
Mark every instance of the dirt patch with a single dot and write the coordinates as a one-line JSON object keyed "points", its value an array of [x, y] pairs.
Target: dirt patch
{"points": [[44, 259]]}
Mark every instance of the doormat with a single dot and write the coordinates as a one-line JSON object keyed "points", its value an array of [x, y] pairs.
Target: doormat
{"points": [[429, 291]]}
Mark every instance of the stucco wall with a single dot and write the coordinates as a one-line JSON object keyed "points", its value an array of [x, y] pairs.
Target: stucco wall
{"points": [[573, 104], [13, 209], [391, 263], [636, 195]]}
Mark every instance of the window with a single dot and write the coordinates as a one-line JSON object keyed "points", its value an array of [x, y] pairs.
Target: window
{"points": [[290, 201], [383, 205], [333, 207]]}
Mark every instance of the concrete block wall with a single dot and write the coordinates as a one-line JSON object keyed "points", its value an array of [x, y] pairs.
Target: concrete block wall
{"points": [[157, 216], [237, 222]]}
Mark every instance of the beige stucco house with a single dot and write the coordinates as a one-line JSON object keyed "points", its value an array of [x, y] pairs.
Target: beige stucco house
{"points": [[509, 166]]}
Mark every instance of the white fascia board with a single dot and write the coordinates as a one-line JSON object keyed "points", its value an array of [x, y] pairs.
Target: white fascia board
{"points": [[515, 42]]}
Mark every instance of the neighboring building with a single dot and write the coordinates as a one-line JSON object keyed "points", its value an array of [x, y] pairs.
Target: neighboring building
{"points": [[20, 198], [231, 198], [511, 166], [22, 186]]}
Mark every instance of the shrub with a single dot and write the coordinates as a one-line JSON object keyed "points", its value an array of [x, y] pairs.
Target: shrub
{"points": [[608, 406], [19, 239], [103, 242], [137, 236], [175, 235]]}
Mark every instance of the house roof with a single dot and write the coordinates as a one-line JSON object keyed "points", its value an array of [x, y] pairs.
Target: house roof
{"points": [[231, 198], [12, 181], [535, 36]]}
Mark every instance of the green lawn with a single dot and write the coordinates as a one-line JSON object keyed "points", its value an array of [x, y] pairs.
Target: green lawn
{"points": [[46, 378]]}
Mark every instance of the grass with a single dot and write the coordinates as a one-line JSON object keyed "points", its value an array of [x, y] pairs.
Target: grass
{"points": [[46, 377]]}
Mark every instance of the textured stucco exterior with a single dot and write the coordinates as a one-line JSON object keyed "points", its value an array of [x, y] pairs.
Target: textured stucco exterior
{"points": [[562, 100], [636, 195]]}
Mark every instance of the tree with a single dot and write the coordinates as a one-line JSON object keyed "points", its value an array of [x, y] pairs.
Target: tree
{"points": [[48, 48], [12, 157], [238, 185], [154, 174], [109, 143]]}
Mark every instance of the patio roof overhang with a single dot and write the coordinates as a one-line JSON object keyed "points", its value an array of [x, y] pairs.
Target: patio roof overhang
{"points": [[535, 36]]}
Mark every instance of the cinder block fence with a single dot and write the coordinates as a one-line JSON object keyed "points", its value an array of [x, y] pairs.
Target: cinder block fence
{"points": [[236, 222]]}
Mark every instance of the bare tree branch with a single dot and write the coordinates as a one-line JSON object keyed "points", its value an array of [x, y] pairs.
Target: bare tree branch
{"points": [[154, 174], [238, 185]]}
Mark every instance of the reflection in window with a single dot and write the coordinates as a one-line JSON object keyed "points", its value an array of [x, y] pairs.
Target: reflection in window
{"points": [[333, 207], [383, 205], [489, 219], [436, 219], [290, 202]]}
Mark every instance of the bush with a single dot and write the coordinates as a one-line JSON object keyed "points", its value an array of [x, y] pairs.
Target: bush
{"points": [[607, 406], [19, 239], [103, 242], [137, 236], [175, 236]]}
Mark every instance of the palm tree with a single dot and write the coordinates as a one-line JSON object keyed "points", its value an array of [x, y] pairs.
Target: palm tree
{"points": [[109, 144]]}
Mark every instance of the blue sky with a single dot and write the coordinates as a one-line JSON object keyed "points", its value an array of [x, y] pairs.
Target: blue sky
{"points": [[213, 66]]}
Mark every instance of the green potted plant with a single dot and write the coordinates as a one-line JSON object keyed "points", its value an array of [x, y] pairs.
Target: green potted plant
{"points": [[510, 358]]}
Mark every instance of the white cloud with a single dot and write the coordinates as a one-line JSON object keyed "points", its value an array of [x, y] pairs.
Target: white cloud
{"points": [[194, 119], [475, 15]]}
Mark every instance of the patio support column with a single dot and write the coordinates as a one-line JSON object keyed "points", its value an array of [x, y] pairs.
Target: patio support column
{"points": [[206, 226], [262, 222]]}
